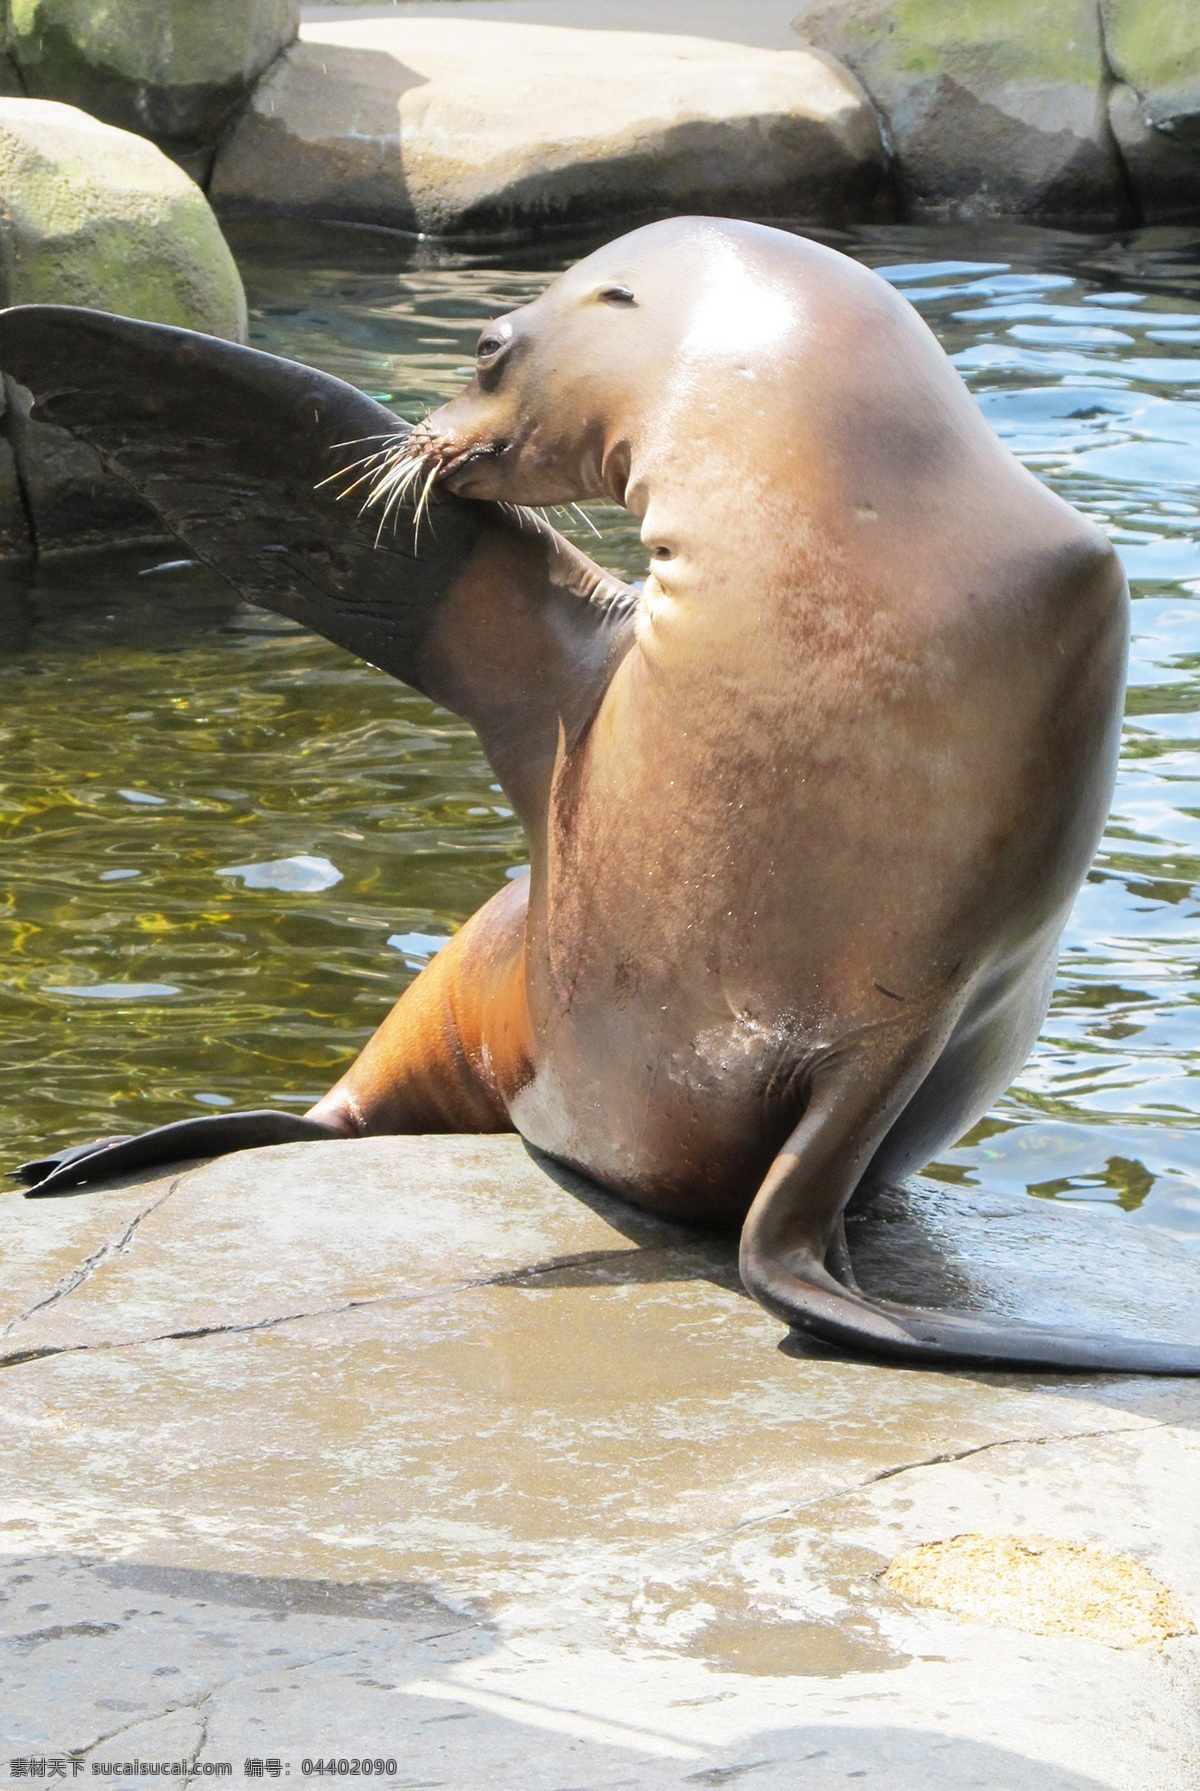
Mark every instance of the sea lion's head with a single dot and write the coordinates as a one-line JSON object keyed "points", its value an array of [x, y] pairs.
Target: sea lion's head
{"points": [[565, 387], [544, 417]]}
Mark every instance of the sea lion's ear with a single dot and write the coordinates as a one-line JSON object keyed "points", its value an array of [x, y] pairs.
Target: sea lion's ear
{"points": [[242, 453]]}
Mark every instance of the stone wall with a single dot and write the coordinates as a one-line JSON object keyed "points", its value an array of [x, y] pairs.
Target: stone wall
{"points": [[1085, 111], [1079, 111]]}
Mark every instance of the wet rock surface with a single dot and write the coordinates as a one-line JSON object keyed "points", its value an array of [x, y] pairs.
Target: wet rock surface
{"points": [[470, 127], [423, 1448]]}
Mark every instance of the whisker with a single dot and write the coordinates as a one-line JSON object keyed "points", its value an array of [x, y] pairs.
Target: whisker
{"points": [[424, 500], [393, 487], [361, 480], [397, 480], [367, 460], [579, 511], [400, 491], [391, 475], [395, 474], [382, 435]]}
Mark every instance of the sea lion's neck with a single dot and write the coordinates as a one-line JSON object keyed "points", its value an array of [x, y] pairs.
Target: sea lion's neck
{"points": [[704, 501]]}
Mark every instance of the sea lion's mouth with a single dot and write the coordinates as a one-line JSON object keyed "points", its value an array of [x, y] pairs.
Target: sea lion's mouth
{"points": [[407, 467], [452, 469]]}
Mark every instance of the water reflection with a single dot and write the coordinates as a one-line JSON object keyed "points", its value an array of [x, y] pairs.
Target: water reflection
{"points": [[228, 846]]}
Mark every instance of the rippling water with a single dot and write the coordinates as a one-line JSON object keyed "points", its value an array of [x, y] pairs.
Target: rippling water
{"points": [[228, 846]]}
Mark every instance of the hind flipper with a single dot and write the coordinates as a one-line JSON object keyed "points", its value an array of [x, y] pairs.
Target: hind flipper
{"points": [[790, 1239], [489, 611], [39, 1168], [457, 1039], [206, 1136]]}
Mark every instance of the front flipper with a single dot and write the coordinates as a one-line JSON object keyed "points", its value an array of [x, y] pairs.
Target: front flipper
{"points": [[243, 455], [207, 1136], [792, 1238]]}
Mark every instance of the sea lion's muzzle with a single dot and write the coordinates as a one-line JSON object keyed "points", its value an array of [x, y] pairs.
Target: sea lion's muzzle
{"points": [[456, 468]]}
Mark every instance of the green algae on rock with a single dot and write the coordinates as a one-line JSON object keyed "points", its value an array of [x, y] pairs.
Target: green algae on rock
{"points": [[1154, 46], [994, 107], [174, 70], [1153, 49], [98, 217]]}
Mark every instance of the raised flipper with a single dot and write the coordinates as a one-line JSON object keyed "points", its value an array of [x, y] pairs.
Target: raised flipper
{"points": [[490, 612], [209, 1135], [792, 1236]]}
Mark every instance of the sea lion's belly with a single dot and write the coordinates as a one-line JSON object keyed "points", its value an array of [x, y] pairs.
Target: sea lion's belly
{"points": [[684, 982], [730, 897], [682, 1121]]}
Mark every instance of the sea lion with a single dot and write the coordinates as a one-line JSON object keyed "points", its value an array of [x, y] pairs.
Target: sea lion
{"points": [[806, 815]]}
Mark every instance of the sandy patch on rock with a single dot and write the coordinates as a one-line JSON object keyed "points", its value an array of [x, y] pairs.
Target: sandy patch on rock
{"points": [[1043, 1586]]}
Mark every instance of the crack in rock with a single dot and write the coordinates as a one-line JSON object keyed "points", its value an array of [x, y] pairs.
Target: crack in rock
{"points": [[200, 1745], [502, 1278], [149, 1716], [949, 1456], [91, 1263], [907, 1467], [198, 1703], [1060, 1436], [1109, 80]]}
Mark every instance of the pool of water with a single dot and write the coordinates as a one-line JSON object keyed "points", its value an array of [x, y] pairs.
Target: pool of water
{"points": [[227, 846]]}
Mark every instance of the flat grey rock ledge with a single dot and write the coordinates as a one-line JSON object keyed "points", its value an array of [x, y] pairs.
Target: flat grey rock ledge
{"points": [[419, 1448]]}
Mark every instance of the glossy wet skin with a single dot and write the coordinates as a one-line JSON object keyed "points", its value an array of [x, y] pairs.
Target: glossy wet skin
{"points": [[724, 898]]}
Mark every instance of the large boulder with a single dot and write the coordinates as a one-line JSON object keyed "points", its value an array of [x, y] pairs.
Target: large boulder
{"points": [[173, 69], [463, 127], [99, 217], [94, 216], [993, 107], [1154, 53]]}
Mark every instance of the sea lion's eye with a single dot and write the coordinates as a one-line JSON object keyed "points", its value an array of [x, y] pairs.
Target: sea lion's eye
{"points": [[616, 295], [491, 343]]}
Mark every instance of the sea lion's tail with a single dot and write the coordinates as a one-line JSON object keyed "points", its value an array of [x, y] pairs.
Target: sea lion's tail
{"points": [[793, 1233]]}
